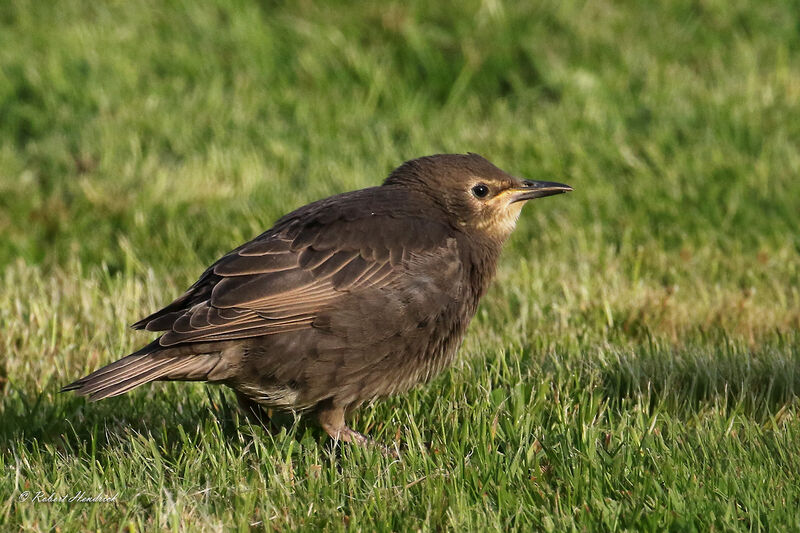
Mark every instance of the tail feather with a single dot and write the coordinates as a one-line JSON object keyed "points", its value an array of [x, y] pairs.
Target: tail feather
{"points": [[107, 373], [144, 371], [145, 366]]}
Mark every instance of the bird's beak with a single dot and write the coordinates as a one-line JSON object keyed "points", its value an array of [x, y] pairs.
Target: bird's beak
{"points": [[528, 190]]}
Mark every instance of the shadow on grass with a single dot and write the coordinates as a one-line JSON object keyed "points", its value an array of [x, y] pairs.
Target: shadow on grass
{"points": [[756, 382], [72, 424]]}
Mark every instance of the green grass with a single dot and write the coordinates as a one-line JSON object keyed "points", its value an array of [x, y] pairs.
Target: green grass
{"points": [[636, 365]]}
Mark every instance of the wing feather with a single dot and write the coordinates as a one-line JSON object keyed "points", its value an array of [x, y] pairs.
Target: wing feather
{"points": [[275, 245], [245, 265]]}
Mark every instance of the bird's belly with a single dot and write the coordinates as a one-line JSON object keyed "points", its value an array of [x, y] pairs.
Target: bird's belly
{"points": [[422, 355], [297, 370]]}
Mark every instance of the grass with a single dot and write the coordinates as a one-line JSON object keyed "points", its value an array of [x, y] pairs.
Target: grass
{"points": [[636, 365]]}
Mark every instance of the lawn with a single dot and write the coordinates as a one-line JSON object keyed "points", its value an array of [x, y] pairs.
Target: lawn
{"points": [[635, 366]]}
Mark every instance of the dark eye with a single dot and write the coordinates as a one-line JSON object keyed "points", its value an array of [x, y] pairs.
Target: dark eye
{"points": [[480, 190]]}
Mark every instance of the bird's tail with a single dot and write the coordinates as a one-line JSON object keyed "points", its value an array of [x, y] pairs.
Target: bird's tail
{"points": [[146, 365]]}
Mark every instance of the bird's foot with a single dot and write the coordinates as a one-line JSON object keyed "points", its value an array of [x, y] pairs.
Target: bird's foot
{"points": [[332, 421], [349, 435]]}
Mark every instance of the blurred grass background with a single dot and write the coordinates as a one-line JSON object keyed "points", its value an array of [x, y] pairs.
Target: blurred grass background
{"points": [[634, 367]]}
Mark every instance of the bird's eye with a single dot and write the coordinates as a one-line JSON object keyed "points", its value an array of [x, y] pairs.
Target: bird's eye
{"points": [[480, 191]]}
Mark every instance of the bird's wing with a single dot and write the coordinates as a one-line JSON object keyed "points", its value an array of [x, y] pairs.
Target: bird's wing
{"points": [[281, 280]]}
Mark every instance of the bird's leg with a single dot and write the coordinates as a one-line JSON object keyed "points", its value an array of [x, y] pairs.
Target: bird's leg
{"points": [[332, 421]]}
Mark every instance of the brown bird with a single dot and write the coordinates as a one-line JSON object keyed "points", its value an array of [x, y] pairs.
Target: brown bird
{"points": [[351, 298]]}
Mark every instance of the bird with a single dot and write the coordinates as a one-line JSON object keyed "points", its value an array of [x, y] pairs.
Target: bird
{"points": [[346, 300]]}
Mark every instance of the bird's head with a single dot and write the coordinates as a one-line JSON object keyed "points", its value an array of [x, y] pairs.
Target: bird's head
{"points": [[473, 193]]}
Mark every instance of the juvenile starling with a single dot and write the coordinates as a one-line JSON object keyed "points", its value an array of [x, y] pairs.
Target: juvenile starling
{"points": [[351, 298]]}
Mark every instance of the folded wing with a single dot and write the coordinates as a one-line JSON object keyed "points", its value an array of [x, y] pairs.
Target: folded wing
{"points": [[282, 280]]}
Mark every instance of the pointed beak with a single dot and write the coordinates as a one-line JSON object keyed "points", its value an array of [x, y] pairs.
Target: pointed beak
{"points": [[537, 189]]}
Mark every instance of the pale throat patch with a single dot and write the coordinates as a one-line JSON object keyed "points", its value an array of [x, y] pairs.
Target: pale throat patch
{"points": [[506, 219], [503, 217]]}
